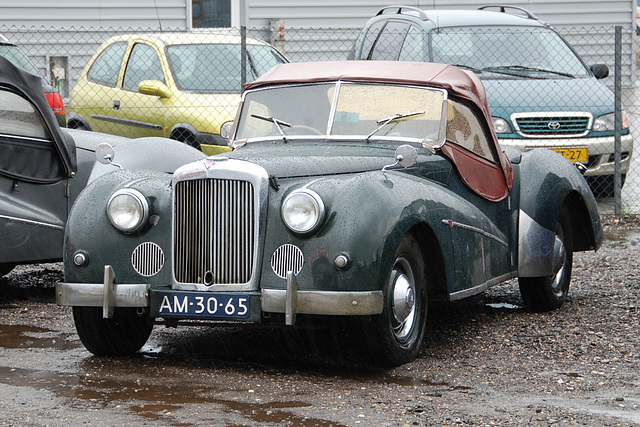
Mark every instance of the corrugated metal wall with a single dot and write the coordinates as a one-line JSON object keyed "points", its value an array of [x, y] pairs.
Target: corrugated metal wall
{"points": [[94, 13], [296, 13], [354, 13]]}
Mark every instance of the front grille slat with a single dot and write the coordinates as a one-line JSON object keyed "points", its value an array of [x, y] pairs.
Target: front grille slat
{"points": [[214, 231]]}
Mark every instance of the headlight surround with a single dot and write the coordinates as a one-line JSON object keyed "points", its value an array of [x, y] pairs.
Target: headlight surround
{"points": [[303, 211], [127, 210], [606, 122], [501, 125]]}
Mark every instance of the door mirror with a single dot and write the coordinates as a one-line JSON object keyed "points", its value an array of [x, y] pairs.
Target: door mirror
{"points": [[600, 71], [154, 88]]}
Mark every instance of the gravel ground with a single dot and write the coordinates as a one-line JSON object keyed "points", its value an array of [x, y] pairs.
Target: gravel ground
{"points": [[485, 360]]}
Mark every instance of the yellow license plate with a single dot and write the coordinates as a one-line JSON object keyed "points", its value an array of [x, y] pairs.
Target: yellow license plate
{"points": [[573, 154]]}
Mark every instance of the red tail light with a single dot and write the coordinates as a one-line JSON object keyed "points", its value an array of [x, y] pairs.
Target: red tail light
{"points": [[56, 102]]}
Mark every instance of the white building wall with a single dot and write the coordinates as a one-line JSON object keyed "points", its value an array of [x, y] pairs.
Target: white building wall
{"points": [[122, 14], [354, 13]]}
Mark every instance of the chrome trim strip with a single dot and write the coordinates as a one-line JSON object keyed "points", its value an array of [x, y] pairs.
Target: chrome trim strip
{"points": [[452, 223], [325, 302], [30, 222], [480, 288], [126, 122], [25, 138]]}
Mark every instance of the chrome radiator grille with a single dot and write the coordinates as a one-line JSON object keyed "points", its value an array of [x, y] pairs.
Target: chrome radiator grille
{"points": [[553, 125], [214, 233]]}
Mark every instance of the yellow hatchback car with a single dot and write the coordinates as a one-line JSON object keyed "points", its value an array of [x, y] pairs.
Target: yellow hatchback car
{"points": [[184, 86]]}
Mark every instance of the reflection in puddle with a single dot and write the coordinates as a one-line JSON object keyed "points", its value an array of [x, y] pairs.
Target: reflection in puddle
{"points": [[165, 400], [503, 305], [613, 234], [20, 336]]}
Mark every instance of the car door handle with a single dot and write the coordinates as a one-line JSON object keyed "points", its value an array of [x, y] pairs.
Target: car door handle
{"points": [[116, 105]]}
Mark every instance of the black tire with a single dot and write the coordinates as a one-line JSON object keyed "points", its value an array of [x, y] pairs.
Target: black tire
{"points": [[122, 335], [395, 336], [550, 292], [77, 125], [5, 268]]}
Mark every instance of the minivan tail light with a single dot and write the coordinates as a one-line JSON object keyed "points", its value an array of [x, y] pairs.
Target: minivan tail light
{"points": [[55, 102]]}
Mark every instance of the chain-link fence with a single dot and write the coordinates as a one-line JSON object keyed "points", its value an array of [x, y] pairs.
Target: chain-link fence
{"points": [[186, 84]]}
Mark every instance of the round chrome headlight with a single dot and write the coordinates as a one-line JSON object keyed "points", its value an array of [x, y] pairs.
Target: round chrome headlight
{"points": [[302, 211], [127, 210]]}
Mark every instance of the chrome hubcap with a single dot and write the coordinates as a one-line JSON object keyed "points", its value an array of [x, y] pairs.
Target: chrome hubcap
{"points": [[402, 295]]}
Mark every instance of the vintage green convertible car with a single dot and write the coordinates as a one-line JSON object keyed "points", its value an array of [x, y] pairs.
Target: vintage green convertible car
{"points": [[356, 191]]}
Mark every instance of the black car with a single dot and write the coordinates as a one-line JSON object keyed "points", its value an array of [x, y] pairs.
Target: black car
{"points": [[43, 168]]}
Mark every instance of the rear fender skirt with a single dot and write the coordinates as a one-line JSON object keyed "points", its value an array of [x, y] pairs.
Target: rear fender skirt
{"points": [[535, 248]]}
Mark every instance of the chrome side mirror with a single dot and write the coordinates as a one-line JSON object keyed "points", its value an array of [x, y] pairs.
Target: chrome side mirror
{"points": [[105, 154], [406, 156]]}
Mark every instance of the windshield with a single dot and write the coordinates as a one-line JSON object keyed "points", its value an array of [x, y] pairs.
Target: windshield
{"points": [[516, 51], [216, 68], [341, 109]]}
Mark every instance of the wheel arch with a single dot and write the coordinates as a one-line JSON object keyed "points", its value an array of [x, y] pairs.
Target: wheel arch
{"points": [[180, 129], [585, 235], [433, 259]]}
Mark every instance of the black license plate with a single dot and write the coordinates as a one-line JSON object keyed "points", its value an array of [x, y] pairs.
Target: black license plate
{"points": [[203, 305]]}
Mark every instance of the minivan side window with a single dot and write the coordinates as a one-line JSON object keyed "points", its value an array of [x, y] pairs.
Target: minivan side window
{"points": [[106, 67], [387, 47], [369, 39], [413, 46]]}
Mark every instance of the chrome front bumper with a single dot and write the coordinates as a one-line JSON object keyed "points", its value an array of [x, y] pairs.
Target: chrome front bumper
{"points": [[290, 301]]}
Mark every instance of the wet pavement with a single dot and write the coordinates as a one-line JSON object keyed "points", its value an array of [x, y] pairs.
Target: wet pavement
{"points": [[485, 361]]}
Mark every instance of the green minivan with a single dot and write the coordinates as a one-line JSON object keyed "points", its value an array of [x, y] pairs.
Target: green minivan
{"points": [[540, 92]]}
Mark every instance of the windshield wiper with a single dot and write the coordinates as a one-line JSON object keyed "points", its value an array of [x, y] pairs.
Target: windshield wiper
{"points": [[503, 69], [469, 67], [276, 122], [386, 121]]}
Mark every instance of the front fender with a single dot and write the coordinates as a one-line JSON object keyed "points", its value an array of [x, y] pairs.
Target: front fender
{"points": [[367, 215], [90, 233]]}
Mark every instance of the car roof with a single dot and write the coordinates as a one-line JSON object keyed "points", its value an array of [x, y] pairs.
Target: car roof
{"points": [[197, 37], [441, 18], [456, 81]]}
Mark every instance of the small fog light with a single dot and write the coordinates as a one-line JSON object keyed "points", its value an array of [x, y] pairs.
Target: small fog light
{"points": [[80, 259], [341, 262]]}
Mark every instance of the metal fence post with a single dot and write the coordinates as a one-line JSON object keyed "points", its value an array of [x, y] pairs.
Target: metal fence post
{"points": [[617, 176], [243, 54]]}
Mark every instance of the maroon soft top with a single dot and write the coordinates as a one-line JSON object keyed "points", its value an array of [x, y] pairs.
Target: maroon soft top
{"points": [[458, 82]]}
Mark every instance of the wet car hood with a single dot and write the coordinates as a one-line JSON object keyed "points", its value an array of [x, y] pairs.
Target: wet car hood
{"points": [[298, 158], [506, 96]]}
